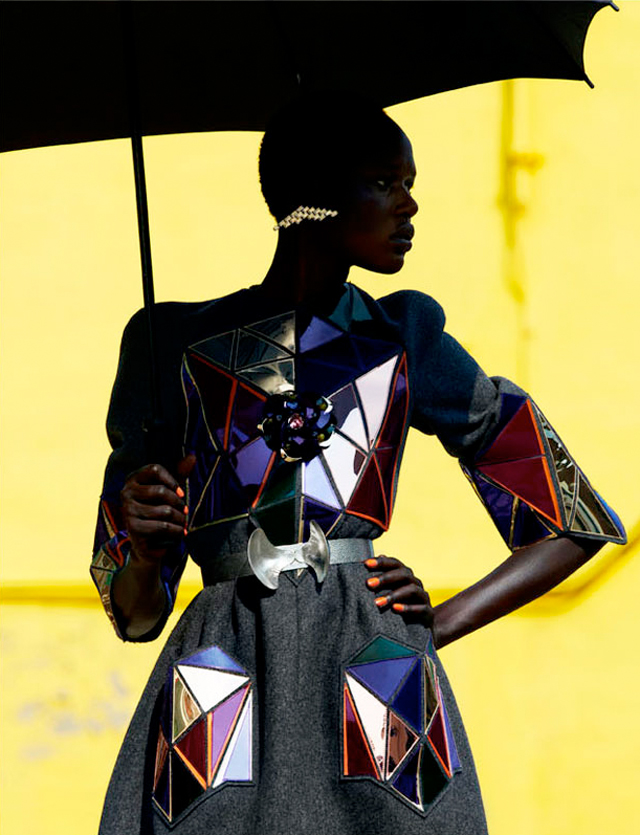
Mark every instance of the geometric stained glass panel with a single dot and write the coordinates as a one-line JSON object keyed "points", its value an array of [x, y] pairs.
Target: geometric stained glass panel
{"points": [[209, 701], [389, 729]]}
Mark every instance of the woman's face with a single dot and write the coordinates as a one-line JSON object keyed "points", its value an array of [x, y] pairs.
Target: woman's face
{"points": [[374, 228]]}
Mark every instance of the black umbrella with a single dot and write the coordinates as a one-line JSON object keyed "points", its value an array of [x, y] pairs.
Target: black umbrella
{"points": [[81, 71]]}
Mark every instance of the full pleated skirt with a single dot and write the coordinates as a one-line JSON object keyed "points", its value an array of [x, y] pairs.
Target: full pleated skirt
{"points": [[306, 710]]}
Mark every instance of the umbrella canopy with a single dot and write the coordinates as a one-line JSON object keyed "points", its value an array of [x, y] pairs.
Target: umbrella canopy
{"points": [[204, 66]]}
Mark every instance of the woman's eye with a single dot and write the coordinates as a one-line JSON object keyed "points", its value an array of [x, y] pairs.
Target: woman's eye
{"points": [[383, 182]]}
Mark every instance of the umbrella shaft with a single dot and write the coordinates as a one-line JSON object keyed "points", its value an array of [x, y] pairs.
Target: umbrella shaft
{"points": [[153, 424]]}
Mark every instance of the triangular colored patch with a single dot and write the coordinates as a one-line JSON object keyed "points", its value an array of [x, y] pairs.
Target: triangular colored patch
{"points": [[250, 466], [210, 687], [519, 439], [348, 415], [162, 790], [432, 777], [400, 740], [373, 717], [408, 700], [344, 461], [528, 527], [218, 349], [383, 648], [372, 352], [272, 377], [406, 780], [563, 464], [102, 579], [430, 691], [499, 504], [252, 350], [216, 389], [453, 749], [368, 499], [192, 748], [185, 709], [382, 677], [222, 721], [438, 738], [357, 758], [590, 515], [318, 333], [236, 765], [316, 484], [213, 657], [280, 329], [374, 389], [396, 417], [185, 789], [162, 749], [387, 458], [324, 516], [248, 411], [280, 521], [530, 480]]}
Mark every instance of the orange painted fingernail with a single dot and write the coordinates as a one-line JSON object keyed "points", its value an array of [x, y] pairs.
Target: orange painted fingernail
{"points": [[373, 582], [398, 607], [180, 492], [371, 562], [186, 509], [381, 601], [185, 531]]}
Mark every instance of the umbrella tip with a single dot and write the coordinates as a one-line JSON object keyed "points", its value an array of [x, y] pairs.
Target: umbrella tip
{"points": [[613, 6]]}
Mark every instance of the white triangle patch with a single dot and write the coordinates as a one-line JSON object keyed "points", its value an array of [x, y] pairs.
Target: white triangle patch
{"points": [[210, 687], [373, 388]]}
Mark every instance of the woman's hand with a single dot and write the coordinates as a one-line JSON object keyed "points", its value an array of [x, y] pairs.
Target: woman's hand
{"points": [[155, 517], [396, 585], [154, 509]]}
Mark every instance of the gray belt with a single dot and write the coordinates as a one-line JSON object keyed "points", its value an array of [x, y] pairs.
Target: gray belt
{"points": [[266, 561]]}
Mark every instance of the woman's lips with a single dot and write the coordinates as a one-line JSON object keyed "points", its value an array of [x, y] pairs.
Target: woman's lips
{"points": [[402, 237], [402, 243]]}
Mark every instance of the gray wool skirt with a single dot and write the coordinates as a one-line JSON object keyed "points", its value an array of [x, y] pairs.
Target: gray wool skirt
{"points": [[303, 710]]}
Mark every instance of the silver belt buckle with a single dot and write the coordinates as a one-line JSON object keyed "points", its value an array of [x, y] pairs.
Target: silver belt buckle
{"points": [[267, 560]]}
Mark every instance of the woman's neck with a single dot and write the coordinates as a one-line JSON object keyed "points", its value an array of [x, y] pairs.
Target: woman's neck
{"points": [[302, 271]]}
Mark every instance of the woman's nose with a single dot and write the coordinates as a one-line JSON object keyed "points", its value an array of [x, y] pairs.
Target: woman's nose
{"points": [[408, 205]]}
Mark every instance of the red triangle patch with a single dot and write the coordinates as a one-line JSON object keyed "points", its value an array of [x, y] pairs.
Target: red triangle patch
{"points": [[438, 739], [368, 499], [192, 749], [358, 761], [519, 439], [530, 480]]}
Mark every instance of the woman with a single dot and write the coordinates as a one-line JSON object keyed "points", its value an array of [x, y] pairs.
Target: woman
{"points": [[301, 691]]}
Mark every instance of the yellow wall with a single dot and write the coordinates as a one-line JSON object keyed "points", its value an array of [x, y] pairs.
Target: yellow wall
{"points": [[549, 694]]}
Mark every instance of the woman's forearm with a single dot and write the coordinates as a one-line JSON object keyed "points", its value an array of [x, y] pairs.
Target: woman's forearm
{"points": [[524, 576]]}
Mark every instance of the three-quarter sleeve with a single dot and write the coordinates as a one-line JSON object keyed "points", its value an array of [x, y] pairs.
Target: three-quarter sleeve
{"points": [[520, 469], [128, 413]]}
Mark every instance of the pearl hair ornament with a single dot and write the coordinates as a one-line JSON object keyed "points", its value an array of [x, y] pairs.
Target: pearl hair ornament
{"points": [[304, 213]]}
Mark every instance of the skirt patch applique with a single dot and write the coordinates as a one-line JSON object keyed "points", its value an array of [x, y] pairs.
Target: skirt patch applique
{"points": [[395, 727], [205, 737]]}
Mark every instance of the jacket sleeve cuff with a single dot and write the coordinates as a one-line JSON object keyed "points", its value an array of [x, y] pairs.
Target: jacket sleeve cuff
{"points": [[531, 486], [111, 558]]}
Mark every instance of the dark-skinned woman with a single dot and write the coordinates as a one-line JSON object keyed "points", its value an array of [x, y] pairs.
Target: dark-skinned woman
{"points": [[301, 691]]}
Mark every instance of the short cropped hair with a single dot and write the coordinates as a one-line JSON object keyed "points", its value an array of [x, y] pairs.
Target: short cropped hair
{"points": [[311, 147]]}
